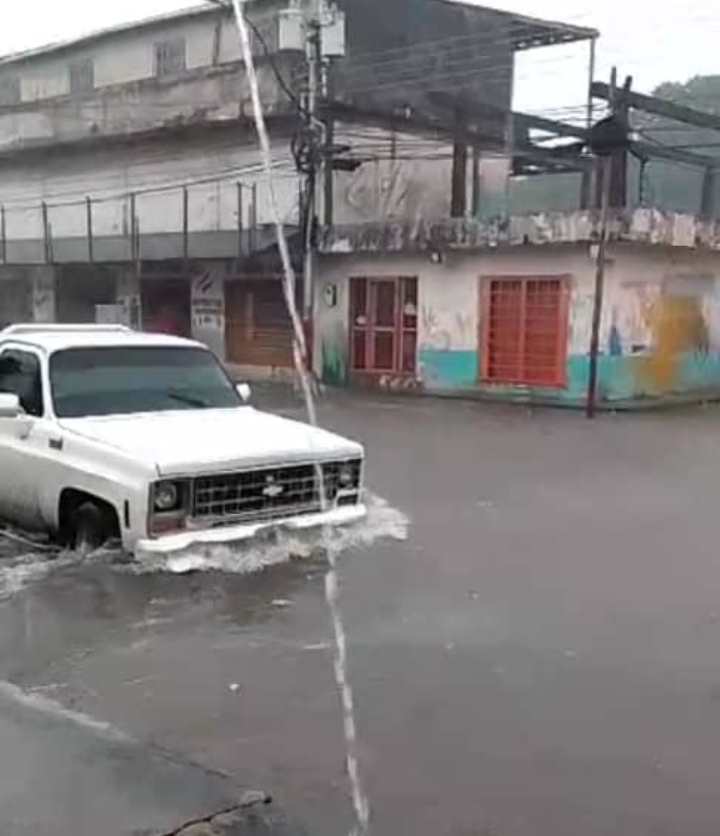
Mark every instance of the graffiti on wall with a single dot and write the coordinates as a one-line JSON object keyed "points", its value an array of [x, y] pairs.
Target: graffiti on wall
{"points": [[678, 328], [662, 330], [334, 358], [446, 332]]}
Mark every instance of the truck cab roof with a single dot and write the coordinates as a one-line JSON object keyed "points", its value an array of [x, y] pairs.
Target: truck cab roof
{"points": [[52, 338]]}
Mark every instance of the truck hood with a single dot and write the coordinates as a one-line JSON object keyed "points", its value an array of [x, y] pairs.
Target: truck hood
{"points": [[189, 442]]}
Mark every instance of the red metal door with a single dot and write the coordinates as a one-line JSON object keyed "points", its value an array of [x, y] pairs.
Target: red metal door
{"points": [[383, 324], [524, 340]]}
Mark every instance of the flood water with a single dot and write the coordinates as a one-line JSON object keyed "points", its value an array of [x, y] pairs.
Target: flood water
{"points": [[533, 631]]}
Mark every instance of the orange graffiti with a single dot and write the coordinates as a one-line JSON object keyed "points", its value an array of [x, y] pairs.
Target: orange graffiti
{"points": [[677, 326]]}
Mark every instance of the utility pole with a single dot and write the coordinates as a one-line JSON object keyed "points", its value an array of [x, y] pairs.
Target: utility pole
{"points": [[586, 184], [609, 141], [314, 138], [604, 171], [314, 65]]}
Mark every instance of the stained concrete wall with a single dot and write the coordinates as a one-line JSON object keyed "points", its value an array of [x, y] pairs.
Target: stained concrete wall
{"points": [[660, 331], [408, 177], [211, 165], [16, 298], [128, 96], [127, 54]]}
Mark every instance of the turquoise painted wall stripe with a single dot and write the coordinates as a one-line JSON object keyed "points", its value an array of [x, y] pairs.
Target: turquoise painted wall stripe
{"points": [[619, 377], [448, 369]]}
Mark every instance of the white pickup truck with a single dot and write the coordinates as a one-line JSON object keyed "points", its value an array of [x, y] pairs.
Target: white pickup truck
{"points": [[105, 433]]}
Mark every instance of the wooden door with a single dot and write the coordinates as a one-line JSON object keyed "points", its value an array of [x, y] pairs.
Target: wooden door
{"points": [[259, 330]]}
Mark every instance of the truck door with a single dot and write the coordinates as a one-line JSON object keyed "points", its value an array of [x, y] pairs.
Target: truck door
{"points": [[23, 440]]}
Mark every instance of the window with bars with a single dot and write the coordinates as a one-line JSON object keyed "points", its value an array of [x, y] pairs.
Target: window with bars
{"points": [[10, 90], [525, 330], [170, 57], [82, 76], [383, 320]]}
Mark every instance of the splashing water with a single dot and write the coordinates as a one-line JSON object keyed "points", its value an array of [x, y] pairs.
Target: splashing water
{"points": [[382, 522], [21, 567]]}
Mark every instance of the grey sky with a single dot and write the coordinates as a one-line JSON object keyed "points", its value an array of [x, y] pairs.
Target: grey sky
{"points": [[643, 39]]}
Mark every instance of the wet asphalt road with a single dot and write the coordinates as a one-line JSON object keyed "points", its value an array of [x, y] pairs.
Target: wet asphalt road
{"points": [[541, 656]]}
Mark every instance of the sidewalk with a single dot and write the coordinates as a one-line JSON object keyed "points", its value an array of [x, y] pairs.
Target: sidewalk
{"points": [[63, 774]]}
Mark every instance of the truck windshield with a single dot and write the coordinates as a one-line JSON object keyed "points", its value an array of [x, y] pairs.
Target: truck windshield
{"points": [[121, 381]]}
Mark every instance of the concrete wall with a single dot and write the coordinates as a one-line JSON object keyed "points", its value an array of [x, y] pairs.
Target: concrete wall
{"points": [[660, 332], [16, 296], [127, 94], [209, 163], [128, 54], [409, 177]]}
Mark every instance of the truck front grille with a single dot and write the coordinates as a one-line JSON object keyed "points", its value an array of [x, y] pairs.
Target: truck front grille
{"points": [[257, 494]]}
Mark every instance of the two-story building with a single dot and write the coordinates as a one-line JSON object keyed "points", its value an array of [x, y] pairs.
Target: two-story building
{"points": [[131, 185]]}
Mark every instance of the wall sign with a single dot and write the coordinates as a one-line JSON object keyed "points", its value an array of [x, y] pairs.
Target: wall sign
{"points": [[330, 295]]}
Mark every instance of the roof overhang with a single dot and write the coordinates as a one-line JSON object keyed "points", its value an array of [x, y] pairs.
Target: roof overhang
{"points": [[531, 32]]}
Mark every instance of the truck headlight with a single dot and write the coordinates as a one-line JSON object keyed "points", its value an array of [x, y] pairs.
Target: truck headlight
{"points": [[347, 476], [342, 477], [166, 496]]}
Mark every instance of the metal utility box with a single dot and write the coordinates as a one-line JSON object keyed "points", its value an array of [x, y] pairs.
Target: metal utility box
{"points": [[290, 30], [333, 34]]}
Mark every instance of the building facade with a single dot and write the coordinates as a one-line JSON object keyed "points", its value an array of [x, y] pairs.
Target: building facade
{"points": [[131, 185], [504, 310]]}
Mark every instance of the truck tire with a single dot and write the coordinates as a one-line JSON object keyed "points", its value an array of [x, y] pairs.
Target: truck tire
{"points": [[90, 529]]}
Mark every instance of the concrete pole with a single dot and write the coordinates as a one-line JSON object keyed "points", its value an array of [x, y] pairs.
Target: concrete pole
{"points": [[605, 171]]}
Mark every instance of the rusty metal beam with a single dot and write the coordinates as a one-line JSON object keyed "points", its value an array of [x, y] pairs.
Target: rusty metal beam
{"points": [[522, 122], [660, 107], [409, 121], [652, 151]]}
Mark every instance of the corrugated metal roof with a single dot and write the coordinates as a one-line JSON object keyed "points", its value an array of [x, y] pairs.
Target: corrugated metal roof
{"points": [[533, 31]]}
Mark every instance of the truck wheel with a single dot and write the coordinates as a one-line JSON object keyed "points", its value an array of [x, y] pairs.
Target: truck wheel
{"points": [[90, 529]]}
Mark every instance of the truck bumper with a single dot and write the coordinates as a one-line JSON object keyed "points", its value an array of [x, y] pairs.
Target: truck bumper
{"points": [[229, 534]]}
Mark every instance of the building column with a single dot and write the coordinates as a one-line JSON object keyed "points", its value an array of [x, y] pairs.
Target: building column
{"points": [[128, 295], [43, 281]]}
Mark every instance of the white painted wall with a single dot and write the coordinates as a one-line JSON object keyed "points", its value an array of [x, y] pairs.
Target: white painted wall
{"points": [[449, 293]]}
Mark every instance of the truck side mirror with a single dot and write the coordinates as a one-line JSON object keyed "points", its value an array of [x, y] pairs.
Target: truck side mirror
{"points": [[245, 392], [9, 405]]}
